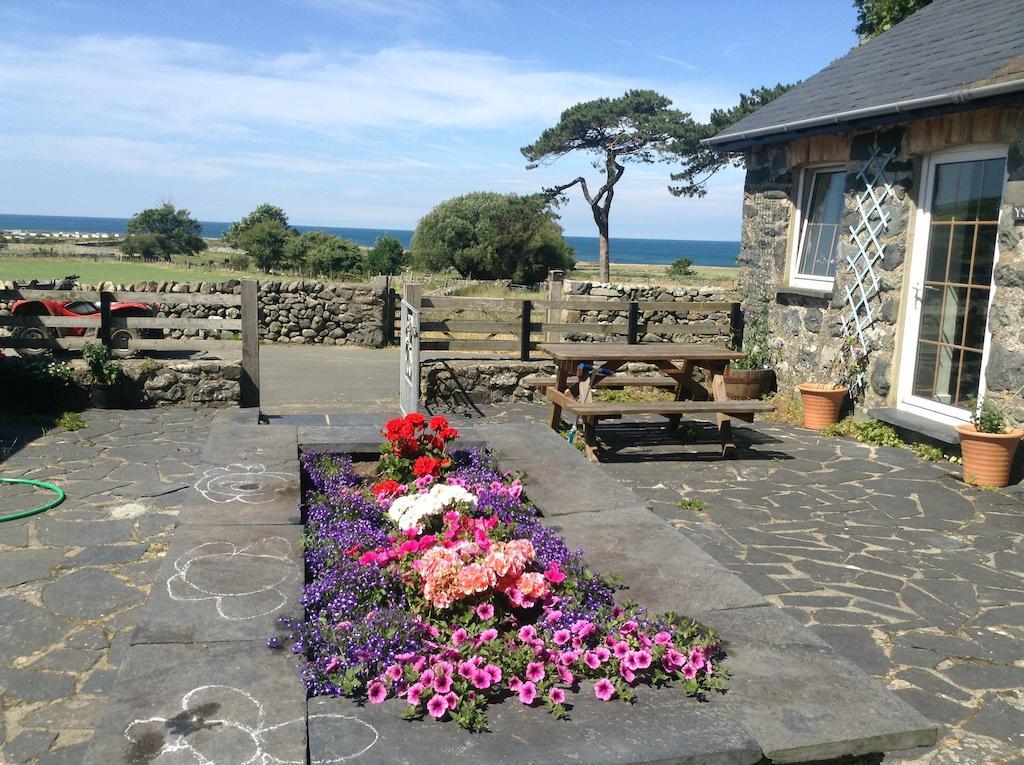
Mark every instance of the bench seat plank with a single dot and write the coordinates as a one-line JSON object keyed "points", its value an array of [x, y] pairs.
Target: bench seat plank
{"points": [[614, 381]]}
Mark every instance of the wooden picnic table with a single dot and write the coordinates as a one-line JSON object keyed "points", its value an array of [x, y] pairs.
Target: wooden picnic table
{"points": [[583, 366]]}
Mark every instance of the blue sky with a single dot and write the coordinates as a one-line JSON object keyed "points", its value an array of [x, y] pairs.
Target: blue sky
{"points": [[369, 112]]}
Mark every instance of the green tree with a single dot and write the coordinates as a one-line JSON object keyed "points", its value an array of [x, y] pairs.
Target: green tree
{"points": [[265, 212], [265, 242], [876, 16], [321, 253], [701, 162], [488, 235], [386, 257], [171, 231], [638, 127]]}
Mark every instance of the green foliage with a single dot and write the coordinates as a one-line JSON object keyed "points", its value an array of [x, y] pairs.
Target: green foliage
{"points": [[71, 421], [36, 384], [103, 370], [681, 267], [164, 231], [239, 262], [700, 162], [318, 252], [756, 338], [876, 16], [265, 212], [865, 431], [386, 257], [488, 235], [787, 408], [987, 417], [930, 453], [694, 504], [265, 243]]}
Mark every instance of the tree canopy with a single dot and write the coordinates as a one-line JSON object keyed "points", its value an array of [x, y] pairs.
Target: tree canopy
{"points": [[262, 213], [386, 257], [876, 16], [701, 162], [265, 242], [318, 252], [487, 235], [640, 126], [163, 231]]}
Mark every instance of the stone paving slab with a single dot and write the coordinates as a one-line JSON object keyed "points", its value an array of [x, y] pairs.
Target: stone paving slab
{"points": [[661, 727], [223, 583], [203, 702], [239, 492]]}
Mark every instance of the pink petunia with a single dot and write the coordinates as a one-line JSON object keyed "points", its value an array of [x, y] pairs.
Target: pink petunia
{"points": [[568, 658], [535, 671], [662, 638], [553, 616], [591, 660], [566, 676], [643, 659], [527, 693], [485, 611], [332, 664], [620, 650], [627, 674], [696, 657], [561, 637], [628, 627], [494, 671], [427, 678], [557, 695], [677, 659], [481, 680], [488, 635], [604, 689], [442, 683], [376, 692], [459, 636], [443, 668], [437, 706], [689, 671], [466, 669], [514, 684], [394, 672], [528, 633], [452, 699], [414, 693], [603, 653]]}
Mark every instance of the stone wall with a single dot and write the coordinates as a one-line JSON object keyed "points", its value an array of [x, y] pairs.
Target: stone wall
{"points": [[675, 322], [297, 311], [806, 326], [150, 382], [457, 384]]}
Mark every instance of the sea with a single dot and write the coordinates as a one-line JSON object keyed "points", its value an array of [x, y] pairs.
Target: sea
{"points": [[702, 252]]}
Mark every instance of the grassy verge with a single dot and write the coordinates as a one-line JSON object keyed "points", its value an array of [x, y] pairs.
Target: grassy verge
{"points": [[24, 268]]}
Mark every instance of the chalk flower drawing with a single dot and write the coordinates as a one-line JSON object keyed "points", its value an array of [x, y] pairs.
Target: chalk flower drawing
{"points": [[219, 724], [244, 582], [251, 484]]}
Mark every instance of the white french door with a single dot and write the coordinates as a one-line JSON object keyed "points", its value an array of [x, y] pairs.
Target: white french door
{"points": [[945, 337]]}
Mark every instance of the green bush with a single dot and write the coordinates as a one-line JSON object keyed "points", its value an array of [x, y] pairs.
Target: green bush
{"points": [[239, 262], [681, 267], [71, 421], [323, 254], [103, 370], [386, 257], [36, 384], [486, 235], [691, 503], [866, 431]]}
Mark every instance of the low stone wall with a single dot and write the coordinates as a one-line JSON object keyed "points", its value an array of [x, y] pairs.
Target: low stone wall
{"points": [[150, 382], [674, 322], [297, 311]]}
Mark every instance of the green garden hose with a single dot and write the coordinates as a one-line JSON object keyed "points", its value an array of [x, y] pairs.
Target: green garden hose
{"points": [[42, 485]]}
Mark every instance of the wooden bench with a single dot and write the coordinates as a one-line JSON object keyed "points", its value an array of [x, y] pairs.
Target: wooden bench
{"points": [[614, 381]]}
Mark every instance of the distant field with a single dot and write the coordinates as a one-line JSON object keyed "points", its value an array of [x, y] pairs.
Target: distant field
{"points": [[637, 273], [103, 270]]}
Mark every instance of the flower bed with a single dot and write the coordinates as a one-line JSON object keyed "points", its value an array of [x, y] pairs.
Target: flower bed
{"points": [[435, 582]]}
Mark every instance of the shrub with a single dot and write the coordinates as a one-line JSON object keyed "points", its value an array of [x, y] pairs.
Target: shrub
{"points": [[265, 242], [71, 421], [103, 370], [866, 431], [681, 267], [486, 235], [386, 257], [36, 384], [318, 252], [239, 262]]}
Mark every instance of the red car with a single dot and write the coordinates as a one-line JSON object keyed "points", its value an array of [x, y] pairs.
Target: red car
{"points": [[120, 337]]}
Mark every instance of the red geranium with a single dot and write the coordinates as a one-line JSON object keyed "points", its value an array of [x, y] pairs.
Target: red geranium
{"points": [[426, 466], [385, 487], [438, 423]]}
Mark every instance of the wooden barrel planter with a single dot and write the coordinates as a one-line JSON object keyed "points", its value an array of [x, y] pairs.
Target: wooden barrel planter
{"points": [[821, 404], [988, 457], [749, 384]]}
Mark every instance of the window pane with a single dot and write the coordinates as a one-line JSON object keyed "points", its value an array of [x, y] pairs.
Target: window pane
{"points": [[960, 254], [977, 318], [992, 189], [924, 372], [938, 252], [954, 314], [984, 255], [931, 311], [947, 177], [970, 378], [823, 210], [947, 370]]}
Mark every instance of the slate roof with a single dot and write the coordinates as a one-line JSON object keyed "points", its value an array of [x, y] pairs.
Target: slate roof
{"points": [[952, 54]]}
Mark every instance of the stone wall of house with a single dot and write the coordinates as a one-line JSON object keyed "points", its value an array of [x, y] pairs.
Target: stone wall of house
{"points": [[297, 311], [672, 324], [806, 327]]}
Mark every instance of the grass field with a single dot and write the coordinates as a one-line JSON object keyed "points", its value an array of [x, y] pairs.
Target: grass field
{"points": [[94, 271]]}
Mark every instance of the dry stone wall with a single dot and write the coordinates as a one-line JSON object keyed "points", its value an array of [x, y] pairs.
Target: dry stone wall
{"points": [[149, 382]]}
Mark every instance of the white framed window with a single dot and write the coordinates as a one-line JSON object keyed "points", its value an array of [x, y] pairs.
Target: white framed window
{"points": [[819, 213]]}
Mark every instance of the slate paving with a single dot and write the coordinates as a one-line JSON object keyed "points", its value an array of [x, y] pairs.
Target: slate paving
{"points": [[72, 580]]}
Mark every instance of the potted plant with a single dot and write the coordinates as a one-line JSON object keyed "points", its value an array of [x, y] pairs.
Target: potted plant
{"points": [[822, 401], [103, 374], [753, 377], [988, 444]]}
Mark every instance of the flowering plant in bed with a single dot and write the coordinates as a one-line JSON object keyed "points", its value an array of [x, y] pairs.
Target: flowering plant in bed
{"points": [[435, 582]]}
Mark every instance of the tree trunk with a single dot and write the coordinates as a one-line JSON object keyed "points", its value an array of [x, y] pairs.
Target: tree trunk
{"points": [[603, 265]]}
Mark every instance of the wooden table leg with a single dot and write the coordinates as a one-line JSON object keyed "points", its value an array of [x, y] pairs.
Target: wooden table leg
{"points": [[724, 424], [561, 383], [590, 438]]}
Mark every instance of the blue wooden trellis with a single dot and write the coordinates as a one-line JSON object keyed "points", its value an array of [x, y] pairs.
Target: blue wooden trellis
{"points": [[877, 189]]}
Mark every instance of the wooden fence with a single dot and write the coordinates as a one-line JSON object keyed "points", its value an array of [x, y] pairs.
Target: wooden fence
{"points": [[515, 325], [102, 328]]}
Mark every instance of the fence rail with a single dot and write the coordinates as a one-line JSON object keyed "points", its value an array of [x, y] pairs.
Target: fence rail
{"points": [[64, 334]]}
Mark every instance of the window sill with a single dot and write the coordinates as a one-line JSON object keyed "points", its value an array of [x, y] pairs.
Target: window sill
{"points": [[810, 292]]}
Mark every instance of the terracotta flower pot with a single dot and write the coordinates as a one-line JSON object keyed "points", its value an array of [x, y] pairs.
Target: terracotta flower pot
{"points": [[821, 404], [754, 384], [988, 457]]}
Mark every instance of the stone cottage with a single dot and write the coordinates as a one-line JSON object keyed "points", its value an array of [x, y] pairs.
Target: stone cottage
{"points": [[884, 209]]}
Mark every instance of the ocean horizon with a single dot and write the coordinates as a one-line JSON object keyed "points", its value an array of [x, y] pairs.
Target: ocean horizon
{"points": [[703, 252]]}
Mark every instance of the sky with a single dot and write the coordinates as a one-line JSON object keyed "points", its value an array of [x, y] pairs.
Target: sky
{"points": [[368, 113]]}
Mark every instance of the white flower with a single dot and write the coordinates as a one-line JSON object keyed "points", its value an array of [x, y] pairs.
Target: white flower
{"points": [[410, 510]]}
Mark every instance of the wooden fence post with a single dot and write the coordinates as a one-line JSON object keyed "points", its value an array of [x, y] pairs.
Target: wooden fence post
{"points": [[556, 280], [633, 317], [524, 331], [250, 380], [736, 325], [104, 331]]}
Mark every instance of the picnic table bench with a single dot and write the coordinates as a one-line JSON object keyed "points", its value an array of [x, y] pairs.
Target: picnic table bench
{"points": [[581, 367]]}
